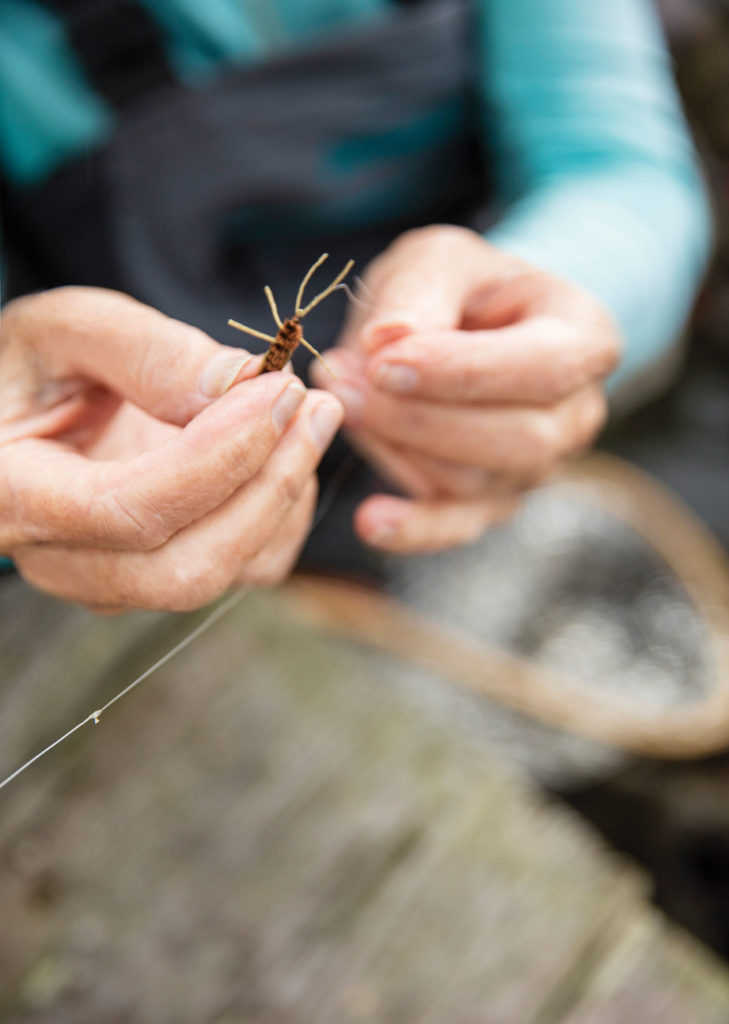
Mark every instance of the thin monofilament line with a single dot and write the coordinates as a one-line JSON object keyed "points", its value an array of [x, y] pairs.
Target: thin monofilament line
{"points": [[327, 499], [217, 613]]}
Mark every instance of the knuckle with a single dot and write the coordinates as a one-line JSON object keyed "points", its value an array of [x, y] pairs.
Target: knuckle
{"points": [[288, 485], [238, 460], [137, 524], [545, 437]]}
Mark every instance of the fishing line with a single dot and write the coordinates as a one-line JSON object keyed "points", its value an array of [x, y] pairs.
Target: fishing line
{"points": [[326, 501], [217, 613]]}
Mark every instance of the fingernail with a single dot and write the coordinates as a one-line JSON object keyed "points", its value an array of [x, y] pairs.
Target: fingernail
{"points": [[287, 403], [219, 375], [351, 398], [398, 379], [324, 423]]}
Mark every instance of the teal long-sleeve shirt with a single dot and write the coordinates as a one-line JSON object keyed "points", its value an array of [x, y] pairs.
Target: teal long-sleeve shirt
{"points": [[595, 172]]}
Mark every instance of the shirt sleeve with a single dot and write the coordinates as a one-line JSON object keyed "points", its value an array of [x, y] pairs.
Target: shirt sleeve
{"points": [[596, 173]]}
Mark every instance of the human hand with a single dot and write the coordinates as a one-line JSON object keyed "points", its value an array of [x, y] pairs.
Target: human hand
{"points": [[141, 463], [467, 380]]}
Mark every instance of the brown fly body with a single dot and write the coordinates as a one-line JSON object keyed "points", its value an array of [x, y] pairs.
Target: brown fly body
{"points": [[290, 335]]}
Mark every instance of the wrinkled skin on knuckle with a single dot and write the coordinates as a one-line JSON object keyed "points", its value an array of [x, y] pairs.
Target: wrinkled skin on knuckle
{"points": [[288, 486], [134, 523], [235, 458]]}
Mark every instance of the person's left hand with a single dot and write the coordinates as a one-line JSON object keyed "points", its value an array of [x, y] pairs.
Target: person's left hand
{"points": [[468, 379]]}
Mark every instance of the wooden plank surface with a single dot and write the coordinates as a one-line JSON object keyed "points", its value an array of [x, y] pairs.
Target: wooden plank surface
{"points": [[277, 828]]}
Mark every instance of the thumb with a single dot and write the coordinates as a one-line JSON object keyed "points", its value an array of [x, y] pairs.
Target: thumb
{"points": [[164, 366], [420, 282]]}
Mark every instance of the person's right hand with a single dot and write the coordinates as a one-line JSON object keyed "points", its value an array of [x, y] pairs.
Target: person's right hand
{"points": [[142, 464]]}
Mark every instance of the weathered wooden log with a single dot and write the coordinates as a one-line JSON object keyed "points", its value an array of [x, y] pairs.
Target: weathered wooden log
{"points": [[279, 827]]}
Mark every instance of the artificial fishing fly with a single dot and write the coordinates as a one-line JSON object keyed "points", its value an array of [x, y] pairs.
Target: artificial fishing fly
{"points": [[290, 335]]}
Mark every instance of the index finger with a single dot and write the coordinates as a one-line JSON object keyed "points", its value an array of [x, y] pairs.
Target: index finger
{"points": [[538, 361]]}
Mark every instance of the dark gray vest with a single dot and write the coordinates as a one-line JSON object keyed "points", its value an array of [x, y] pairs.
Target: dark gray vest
{"points": [[204, 195]]}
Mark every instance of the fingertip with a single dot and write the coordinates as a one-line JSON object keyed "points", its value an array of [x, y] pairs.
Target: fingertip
{"points": [[378, 520]]}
